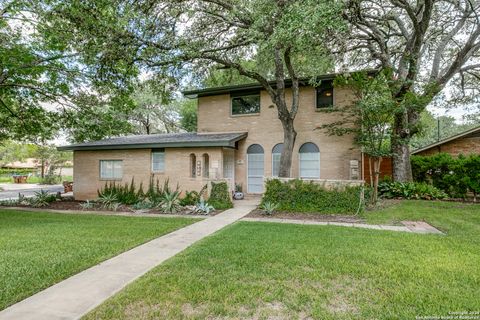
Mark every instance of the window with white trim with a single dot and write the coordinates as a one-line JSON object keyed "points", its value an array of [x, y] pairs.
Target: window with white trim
{"points": [[111, 169], [309, 161], [158, 160], [276, 153]]}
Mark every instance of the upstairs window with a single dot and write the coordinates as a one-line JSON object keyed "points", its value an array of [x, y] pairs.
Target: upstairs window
{"points": [[111, 169], [325, 95], [158, 160], [245, 103]]}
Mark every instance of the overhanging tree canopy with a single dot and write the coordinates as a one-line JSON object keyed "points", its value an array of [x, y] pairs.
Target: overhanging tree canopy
{"points": [[426, 43]]}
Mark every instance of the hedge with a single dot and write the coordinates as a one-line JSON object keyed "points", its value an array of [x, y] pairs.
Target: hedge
{"points": [[219, 196], [10, 171], [306, 196], [454, 175]]}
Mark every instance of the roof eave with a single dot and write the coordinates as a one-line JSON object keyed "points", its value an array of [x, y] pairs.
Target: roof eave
{"points": [[191, 144], [439, 143]]}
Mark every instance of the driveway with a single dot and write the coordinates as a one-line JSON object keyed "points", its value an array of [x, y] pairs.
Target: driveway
{"points": [[11, 190]]}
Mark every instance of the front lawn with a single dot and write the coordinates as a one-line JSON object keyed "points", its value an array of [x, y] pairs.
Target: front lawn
{"points": [[285, 271], [40, 249]]}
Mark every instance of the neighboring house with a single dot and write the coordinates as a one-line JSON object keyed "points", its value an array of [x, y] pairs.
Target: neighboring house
{"points": [[467, 142], [28, 163], [239, 139]]}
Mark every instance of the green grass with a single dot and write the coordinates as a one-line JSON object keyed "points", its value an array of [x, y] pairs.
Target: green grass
{"points": [[31, 179], [40, 249], [281, 271]]}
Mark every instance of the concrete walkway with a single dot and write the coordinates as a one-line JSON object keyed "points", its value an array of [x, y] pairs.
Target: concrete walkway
{"points": [[409, 226], [77, 295]]}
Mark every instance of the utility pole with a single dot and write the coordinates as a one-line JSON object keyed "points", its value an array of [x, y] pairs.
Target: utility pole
{"points": [[438, 129]]}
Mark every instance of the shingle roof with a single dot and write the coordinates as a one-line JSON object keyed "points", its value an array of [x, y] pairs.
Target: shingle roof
{"points": [[471, 132], [169, 140]]}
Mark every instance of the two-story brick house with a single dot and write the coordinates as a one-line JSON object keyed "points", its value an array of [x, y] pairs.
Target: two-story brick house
{"points": [[239, 138]]}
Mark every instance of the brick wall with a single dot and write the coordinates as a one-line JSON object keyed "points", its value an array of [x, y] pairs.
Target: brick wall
{"points": [[138, 163], [465, 146], [265, 129]]}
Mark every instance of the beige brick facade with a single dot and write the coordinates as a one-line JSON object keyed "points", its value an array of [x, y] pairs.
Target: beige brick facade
{"points": [[137, 164], [265, 129], [214, 116]]}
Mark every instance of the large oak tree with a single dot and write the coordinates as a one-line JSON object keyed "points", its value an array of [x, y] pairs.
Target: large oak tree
{"points": [[427, 44], [263, 40]]}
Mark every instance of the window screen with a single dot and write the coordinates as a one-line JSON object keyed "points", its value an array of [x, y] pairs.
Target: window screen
{"points": [[111, 169], [309, 161], [158, 160]]}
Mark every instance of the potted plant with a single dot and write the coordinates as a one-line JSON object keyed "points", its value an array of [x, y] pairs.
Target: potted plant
{"points": [[238, 194]]}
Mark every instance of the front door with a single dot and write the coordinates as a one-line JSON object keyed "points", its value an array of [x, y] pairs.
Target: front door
{"points": [[255, 168]]}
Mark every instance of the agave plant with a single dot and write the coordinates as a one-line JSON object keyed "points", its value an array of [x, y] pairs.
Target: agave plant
{"points": [[203, 207], [109, 201], [269, 207], [42, 198], [170, 202], [87, 205]]}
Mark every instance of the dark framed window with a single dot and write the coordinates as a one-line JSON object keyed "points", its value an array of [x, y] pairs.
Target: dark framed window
{"points": [[325, 95], [245, 103]]}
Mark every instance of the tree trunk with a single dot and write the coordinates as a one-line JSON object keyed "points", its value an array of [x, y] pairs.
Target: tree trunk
{"points": [[402, 169], [289, 137], [377, 161]]}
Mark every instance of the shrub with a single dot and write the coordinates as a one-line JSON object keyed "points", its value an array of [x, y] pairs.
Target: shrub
{"points": [[269, 207], [51, 179], [306, 196], [126, 194], [454, 175], [170, 201], [410, 190], [42, 198], [108, 200], [219, 196], [204, 207], [192, 197]]}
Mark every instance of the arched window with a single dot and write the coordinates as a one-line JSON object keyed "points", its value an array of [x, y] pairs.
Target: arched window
{"points": [[206, 165], [309, 161], [193, 165], [276, 153], [255, 168]]}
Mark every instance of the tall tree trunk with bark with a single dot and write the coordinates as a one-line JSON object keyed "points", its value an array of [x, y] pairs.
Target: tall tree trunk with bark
{"points": [[402, 170], [289, 137]]}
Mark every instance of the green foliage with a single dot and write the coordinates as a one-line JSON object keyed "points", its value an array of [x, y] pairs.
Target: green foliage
{"points": [[126, 194], [193, 197], [269, 207], [203, 207], [87, 205], [6, 171], [170, 201], [219, 196], [188, 114], [455, 175], [108, 200], [143, 205], [51, 179], [410, 190], [304, 196], [42, 198]]}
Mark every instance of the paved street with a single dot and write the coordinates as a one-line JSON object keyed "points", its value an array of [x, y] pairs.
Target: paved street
{"points": [[11, 190]]}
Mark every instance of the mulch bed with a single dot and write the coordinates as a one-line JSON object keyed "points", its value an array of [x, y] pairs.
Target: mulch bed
{"points": [[257, 213], [73, 205]]}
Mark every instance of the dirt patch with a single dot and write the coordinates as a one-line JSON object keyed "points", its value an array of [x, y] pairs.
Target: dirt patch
{"points": [[343, 290], [257, 213]]}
